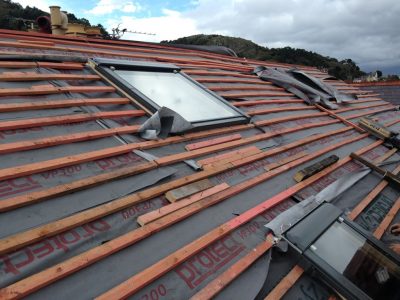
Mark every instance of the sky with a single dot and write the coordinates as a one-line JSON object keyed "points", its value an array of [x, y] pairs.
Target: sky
{"points": [[366, 31]]}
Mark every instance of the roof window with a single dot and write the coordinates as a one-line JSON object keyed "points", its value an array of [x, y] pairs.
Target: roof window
{"points": [[157, 85]]}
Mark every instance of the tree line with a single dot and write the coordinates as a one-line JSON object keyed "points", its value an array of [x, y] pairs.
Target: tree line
{"points": [[345, 69]]}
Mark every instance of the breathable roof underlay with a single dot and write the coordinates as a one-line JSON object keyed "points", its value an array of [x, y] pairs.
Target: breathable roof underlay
{"points": [[75, 176]]}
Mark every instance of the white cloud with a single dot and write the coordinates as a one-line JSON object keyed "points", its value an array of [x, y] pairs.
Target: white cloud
{"points": [[129, 8], [104, 7], [169, 26], [366, 31]]}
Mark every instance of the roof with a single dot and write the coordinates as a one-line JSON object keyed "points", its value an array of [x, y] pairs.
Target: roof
{"points": [[75, 176], [387, 90]]}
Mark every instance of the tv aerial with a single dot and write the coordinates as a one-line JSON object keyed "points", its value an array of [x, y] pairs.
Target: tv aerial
{"points": [[117, 33]]}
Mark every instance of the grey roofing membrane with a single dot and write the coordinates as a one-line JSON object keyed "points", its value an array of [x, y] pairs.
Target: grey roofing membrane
{"points": [[192, 275]]}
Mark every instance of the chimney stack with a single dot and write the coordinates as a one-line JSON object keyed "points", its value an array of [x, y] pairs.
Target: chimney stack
{"points": [[59, 21]]}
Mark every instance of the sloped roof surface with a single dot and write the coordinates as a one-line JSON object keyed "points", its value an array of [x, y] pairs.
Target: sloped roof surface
{"points": [[388, 90], [75, 176]]}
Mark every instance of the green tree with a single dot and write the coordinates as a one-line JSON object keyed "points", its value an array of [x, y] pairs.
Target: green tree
{"points": [[346, 69]]}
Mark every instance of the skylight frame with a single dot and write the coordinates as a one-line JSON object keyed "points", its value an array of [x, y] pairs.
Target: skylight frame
{"points": [[107, 66]]}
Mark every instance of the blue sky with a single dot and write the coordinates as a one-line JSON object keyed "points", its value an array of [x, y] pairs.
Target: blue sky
{"points": [[163, 18], [101, 11], [365, 31]]}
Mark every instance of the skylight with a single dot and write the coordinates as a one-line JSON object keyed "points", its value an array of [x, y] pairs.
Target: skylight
{"points": [[157, 85]]}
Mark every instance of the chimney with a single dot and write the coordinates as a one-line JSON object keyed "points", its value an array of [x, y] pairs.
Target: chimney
{"points": [[59, 21]]}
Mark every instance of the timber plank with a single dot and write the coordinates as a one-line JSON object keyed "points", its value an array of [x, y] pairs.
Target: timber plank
{"points": [[42, 166], [32, 76], [260, 102], [33, 197], [220, 157], [49, 43], [249, 94], [216, 73], [359, 107], [371, 196], [369, 95], [11, 107], [67, 119], [216, 141], [50, 89], [281, 162], [54, 273], [291, 118], [230, 80], [391, 123], [245, 88], [180, 61], [278, 109], [235, 157], [51, 65], [216, 285], [364, 101], [380, 230], [143, 48], [187, 190], [21, 239], [287, 282], [148, 275], [345, 120], [370, 112], [65, 139], [165, 210]]}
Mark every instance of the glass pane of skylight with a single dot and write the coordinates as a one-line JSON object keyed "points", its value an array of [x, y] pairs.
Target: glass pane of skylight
{"points": [[174, 91], [354, 257]]}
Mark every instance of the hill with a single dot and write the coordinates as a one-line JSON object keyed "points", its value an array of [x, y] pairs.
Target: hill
{"points": [[345, 69]]}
